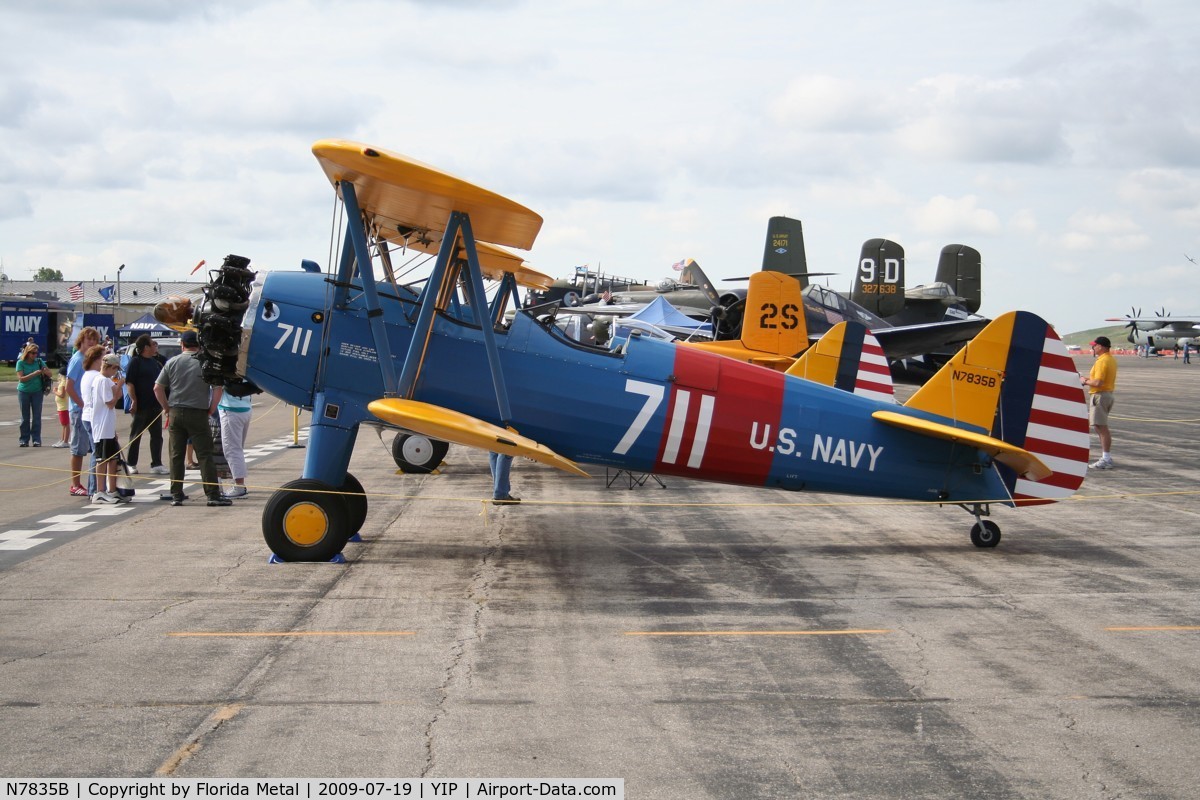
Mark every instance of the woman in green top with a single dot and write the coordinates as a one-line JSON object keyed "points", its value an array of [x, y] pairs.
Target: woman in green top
{"points": [[33, 375]]}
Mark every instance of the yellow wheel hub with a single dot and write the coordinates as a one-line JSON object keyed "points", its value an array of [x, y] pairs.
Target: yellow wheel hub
{"points": [[305, 524]]}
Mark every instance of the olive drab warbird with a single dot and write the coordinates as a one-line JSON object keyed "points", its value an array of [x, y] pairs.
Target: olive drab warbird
{"points": [[1004, 423]]}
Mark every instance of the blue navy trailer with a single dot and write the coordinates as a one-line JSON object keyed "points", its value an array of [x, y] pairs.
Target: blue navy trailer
{"points": [[47, 322], [103, 323]]}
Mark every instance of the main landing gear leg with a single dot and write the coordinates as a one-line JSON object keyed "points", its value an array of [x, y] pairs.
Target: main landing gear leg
{"points": [[311, 519], [984, 533]]}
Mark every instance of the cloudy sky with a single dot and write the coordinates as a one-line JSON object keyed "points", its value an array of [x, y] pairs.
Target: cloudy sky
{"points": [[1061, 139]]}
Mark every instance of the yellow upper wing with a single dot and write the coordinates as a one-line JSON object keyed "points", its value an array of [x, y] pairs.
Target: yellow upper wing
{"points": [[400, 194]]}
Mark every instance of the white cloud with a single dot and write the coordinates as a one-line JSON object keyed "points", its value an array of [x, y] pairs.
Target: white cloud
{"points": [[1090, 230], [966, 118], [158, 133], [1024, 221], [1173, 191], [961, 217], [14, 204], [828, 103], [868, 192]]}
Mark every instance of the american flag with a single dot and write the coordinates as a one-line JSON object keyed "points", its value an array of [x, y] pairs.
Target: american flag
{"points": [[76, 291], [679, 265]]}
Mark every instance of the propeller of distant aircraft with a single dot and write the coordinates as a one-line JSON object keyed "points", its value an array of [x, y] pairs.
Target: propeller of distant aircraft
{"points": [[1133, 315]]}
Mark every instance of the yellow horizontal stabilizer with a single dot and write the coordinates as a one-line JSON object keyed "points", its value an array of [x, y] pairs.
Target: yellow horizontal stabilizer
{"points": [[400, 192], [1023, 462], [778, 363], [732, 348], [453, 426]]}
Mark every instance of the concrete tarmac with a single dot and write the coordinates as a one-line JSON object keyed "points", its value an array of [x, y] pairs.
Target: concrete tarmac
{"points": [[699, 641]]}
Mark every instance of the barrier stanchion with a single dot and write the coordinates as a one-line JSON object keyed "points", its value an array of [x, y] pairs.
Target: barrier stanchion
{"points": [[295, 429]]}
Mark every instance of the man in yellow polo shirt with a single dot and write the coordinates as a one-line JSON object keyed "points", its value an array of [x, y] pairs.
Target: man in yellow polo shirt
{"points": [[1101, 382]]}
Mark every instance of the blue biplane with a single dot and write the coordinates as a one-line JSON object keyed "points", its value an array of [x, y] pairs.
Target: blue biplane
{"points": [[1004, 422]]}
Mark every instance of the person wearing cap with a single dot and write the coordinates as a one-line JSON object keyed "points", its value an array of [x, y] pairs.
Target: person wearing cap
{"points": [[105, 391], [1101, 383], [185, 415]]}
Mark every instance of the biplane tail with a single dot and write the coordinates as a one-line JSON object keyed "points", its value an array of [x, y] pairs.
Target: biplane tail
{"points": [[1015, 382], [849, 358], [774, 330]]}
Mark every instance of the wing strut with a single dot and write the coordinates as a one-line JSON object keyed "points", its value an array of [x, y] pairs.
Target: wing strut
{"points": [[479, 303], [362, 254], [439, 285], [508, 288]]}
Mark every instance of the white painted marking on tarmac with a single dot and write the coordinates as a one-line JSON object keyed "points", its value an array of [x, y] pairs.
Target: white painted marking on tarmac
{"points": [[148, 493], [20, 540], [65, 527]]}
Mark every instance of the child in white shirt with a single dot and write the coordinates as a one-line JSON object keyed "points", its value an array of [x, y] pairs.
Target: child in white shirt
{"points": [[105, 394]]}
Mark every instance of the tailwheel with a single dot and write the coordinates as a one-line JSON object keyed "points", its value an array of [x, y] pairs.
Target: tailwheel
{"points": [[356, 504], [985, 533], [418, 454], [301, 522]]}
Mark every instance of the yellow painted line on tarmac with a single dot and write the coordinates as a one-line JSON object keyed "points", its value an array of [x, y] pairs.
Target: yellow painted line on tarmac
{"points": [[186, 751], [1117, 629], [290, 633], [855, 632]]}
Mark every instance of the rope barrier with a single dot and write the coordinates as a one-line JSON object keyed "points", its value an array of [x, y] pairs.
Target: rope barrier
{"points": [[640, 504], [624, 503], [120, 454]]}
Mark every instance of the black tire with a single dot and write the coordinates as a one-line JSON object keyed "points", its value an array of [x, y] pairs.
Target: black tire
{"points": [[355, 498], [985, 533], [418, 454], [302, 523]]}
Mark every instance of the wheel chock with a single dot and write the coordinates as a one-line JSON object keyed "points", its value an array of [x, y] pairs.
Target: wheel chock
{"points": [[337, 559]]}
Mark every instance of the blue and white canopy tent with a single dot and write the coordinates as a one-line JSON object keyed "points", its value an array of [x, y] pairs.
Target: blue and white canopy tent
{"points": [[661, 314], [144, 324]]}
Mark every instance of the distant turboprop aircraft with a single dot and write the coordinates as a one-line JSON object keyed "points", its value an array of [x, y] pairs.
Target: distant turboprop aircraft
{"points": [[1162, 329]]}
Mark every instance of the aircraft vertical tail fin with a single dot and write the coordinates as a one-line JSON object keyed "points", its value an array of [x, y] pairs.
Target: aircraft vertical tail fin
{"points": [[773, 330], [849, 358], [1015, 382], [773, 320], [879, 281], [693, 275], [961, 267], [784, 251]]}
